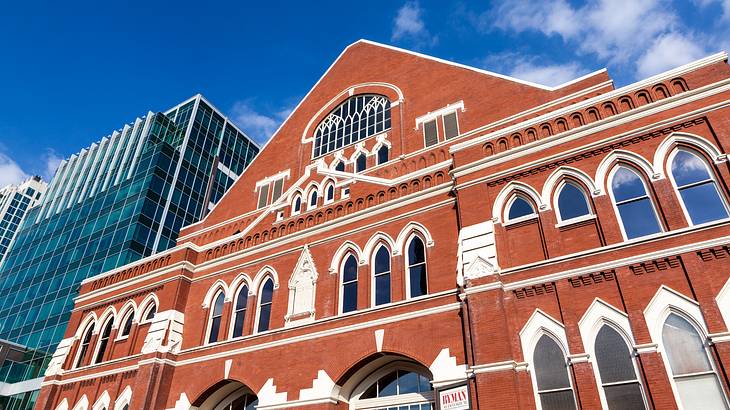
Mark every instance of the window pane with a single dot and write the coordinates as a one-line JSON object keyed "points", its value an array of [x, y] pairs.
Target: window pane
{"points": [[701, 392], [383, 155], [242, 298], [382, 260], [418, 280], [613, 356], [450, 127], [151, 313], [551, 369], [313, 199], [349, 297], [218, 305], [263, 196], [214, 328], [407, 382], [557, 400], [267, 291], [330, 192], [340, 166], [624, 397], [520, 207], [572, 202], [361, 163], [238, 323], [430, 133], [382, 289], [127, 325], [626, 184], [703, 203], [688, 168], [416, 251], [264, 317], [278, 186], [388, 385], [298, 204], [638, 218], [684, 347], [350, 270]]}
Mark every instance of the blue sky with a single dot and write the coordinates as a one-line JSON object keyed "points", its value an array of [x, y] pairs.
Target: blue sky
{"points": [[71, 72]]}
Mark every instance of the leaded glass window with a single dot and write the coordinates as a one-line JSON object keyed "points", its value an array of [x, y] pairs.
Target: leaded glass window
{"points": [[635, 207], [216, 318], [359, 117], [381, 274], [697, 188], [694, 376], [551, 373], [617, 372]]}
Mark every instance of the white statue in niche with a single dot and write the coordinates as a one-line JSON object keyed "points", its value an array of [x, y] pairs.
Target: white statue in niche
{"points": [[302, 289]]}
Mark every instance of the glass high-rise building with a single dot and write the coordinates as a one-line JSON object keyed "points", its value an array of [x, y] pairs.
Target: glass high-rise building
{"points": [[121, 199], [15, 201]]}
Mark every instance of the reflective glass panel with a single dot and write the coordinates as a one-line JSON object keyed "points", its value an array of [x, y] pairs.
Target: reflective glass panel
{"points": [[520, 207], [572, 202]]}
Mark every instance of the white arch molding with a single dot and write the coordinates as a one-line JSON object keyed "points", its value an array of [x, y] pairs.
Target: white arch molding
{"points": [[82, 404], [124, 398], [681, 138], [632, 158], [377, 238], [558, 176], [145, 305], [512, 188], [405, 235], [344, 249], [218, 286], [263, 273], [102, 403]]}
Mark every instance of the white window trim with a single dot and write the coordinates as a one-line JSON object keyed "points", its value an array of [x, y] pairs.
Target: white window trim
{"points": [[508, 206], [234, 301], [665, 302], [408, 263], [711, 172], [128, 310], [103, 402], [647, 192], [334, 194], [211, 307], [98, 339], [124, 398], [443, 124], [459, 105], [359, 390], [294, 211], [75, 364]]}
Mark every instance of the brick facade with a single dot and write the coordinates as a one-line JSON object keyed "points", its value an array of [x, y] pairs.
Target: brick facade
{"points": [[494, 284]]}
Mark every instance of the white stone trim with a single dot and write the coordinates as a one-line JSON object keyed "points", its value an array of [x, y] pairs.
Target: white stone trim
{"points": [[723, 303], [146, 305], [124, 398], [432, 115], [339, 255], [555, 182], [217, 287], [82, 404], [505, 197], [103, 402]]}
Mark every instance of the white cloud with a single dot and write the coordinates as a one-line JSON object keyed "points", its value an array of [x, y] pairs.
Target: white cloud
{"points": [[534, 69], [668, 51], [409, 25], [258, 125], [618, 32], [52, 160], [10, 171]]}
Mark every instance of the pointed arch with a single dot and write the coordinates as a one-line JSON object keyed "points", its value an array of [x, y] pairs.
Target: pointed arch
{"points": [[506, 194], [63, 405], [557, 176], [347, 246], [109, 312], [372, 243], [89, 319], [408, 231], [242, 283], [263, 273], [124, 399], [380, 141], [128, 306], [217, 286], [359, 149], [147, 303], [240, 280], [598, 314], [338, 158], [681, 138], [666, 301], [607, 163], [82, 404], [103, 402]]}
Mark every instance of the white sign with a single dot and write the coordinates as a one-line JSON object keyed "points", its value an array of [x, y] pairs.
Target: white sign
{"points": [[454, 399]]}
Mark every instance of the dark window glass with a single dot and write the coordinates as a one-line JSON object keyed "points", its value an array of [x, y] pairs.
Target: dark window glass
{"points": [[383, 155], [151, 312], [278, 187], [313, 199], [396, 383], [572, 202], [266, 296], [520, 207], [85, 345], [382, 276], [330, 194], [263, 196], [240, 313], [127, 326], [697, 188], [103, 341], [297, 204], [216, 317], [551, 373], [451, 127], [417, 267], [349, 284], [616, 368], [430, 133], [340, 166], [634, 204], [360, 163]]}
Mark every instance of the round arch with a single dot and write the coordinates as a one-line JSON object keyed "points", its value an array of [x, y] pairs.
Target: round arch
{"points": [[220, 395]]}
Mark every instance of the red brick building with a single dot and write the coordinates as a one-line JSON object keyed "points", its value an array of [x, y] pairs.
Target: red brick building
{"points": [[420, 233]]}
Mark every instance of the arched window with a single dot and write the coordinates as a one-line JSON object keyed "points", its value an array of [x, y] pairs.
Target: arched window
{"points": [[617, 372], [297, 205], [399, 389], [266, 295], [329, 193], [361, 162], [340, 166], [349, 284], [381, 276], [692, 371], [216, 317], [383, 154], [359, 117], [127, 323], [417, 278], [313, 199], [551, 373], [239, 315], [635, 207], [84, 349], [572, 202], [697, 188], [103, 341], [519, 207]]}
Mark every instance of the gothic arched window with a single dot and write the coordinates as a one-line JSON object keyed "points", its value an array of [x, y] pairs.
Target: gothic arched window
{"points": [[359, 117]]}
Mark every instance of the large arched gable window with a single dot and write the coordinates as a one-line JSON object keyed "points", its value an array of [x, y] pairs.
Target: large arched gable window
{"points": [[239, 312], [348, 287], [416, 275], [106, 331], [216, 317], [697, 188], [359, 117], [266, 297], [85, 342], [572, 202], [381, 264], [636, 210]]}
